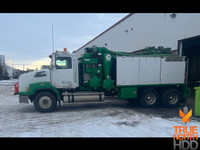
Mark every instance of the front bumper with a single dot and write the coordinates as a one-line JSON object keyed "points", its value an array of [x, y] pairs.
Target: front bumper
{"points": [[23, 99]]}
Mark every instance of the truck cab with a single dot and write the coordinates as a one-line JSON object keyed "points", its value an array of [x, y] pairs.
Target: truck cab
{"points": [[64, 70], [44, 87]]}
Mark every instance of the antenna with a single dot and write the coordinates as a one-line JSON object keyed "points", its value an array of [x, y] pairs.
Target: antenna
{"points": [[52, 40]]}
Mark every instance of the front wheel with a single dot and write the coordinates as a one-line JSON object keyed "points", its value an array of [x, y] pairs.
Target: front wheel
{"points": [[45, 102]]}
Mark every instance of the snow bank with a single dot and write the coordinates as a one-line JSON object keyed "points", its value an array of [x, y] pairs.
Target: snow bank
{"points": [[8, 82]]}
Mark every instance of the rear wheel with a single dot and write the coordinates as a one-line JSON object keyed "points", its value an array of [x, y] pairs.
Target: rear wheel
{"points": [[149, 98], [45, 102], [171, 97]]}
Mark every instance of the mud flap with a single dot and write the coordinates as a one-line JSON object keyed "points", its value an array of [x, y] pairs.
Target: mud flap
{"points": [[23, 99]]}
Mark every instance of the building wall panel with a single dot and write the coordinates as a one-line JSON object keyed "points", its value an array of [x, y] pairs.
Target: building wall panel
{"points": [[148, 29]]}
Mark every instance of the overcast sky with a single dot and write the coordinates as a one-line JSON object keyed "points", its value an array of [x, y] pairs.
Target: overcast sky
{"points": [[26, 38]]}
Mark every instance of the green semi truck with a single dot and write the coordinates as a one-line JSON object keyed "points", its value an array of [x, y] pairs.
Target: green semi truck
{"points": [[153, 77]]}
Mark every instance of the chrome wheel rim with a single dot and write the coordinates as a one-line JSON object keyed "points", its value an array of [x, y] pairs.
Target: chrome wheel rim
{"points": [[173, 98], [45, 102], [150, 98]]}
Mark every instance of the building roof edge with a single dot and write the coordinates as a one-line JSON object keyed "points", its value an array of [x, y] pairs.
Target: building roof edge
{"points": [[105, 31]]}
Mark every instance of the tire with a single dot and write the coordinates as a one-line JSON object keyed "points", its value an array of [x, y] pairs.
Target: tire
{"points": [[45, 102], [149, 98], [171, 98]]}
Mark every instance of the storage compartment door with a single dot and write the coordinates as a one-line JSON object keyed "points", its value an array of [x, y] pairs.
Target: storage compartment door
{"points": [[172, 71], [149, 70], [127, 71]]}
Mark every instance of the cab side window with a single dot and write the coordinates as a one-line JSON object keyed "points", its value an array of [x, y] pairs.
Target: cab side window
{"points": [[63, 63]]}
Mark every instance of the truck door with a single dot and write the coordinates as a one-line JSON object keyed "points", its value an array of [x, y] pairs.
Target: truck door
{"points": [[62, 75]]}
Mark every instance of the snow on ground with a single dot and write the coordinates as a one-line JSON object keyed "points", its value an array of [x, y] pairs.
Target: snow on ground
{"points": [[8, 82], [113, 118]]}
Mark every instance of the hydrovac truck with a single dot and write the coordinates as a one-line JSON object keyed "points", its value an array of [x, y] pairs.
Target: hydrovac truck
{"points": [[152, 77]]}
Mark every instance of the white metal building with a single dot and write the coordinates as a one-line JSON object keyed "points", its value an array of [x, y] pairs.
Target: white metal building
{"points": [[179, 31]]}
